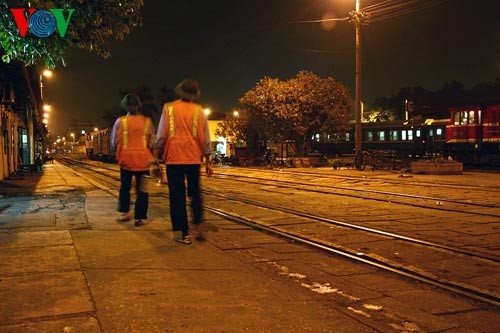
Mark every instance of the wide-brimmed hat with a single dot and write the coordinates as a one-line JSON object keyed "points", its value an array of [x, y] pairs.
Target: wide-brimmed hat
{"points": [[188, 89], [131, 102]]}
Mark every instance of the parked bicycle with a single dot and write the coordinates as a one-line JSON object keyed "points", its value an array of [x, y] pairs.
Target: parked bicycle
{"points": [[272, 160]]}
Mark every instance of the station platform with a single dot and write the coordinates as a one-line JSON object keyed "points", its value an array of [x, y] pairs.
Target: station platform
{"points": [[69, 266]]}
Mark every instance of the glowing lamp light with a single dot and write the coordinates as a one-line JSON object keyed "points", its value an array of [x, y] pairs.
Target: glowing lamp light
{"points": [[46, 116], [236, 113], [207, 112], [46, 107], [45, 121], [47, 73]]}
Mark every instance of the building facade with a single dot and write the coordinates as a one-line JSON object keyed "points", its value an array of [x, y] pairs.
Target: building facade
{"points": [[21, 129]]}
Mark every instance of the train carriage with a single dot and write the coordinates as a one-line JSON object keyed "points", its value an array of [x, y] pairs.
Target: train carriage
{"points": [[491, 124], [98, 145], [473, 134], [405, 137]]}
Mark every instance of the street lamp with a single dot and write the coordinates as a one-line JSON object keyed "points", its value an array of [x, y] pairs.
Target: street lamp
{"points": [[207, 112], [47, 73], [236, 113]]}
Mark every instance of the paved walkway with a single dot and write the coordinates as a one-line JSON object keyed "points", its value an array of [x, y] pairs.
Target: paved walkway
{"points": [[67, 266]]}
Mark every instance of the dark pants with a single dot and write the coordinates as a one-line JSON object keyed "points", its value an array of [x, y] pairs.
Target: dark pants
{"points": [[142, 200], [176, 177]]}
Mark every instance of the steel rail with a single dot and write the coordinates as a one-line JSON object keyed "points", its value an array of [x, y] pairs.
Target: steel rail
{"points": [[449, 286], [365, 229], [409, 196]]}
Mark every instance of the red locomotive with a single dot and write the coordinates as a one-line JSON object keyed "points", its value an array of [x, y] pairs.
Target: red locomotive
{"points": [[473, 134]]}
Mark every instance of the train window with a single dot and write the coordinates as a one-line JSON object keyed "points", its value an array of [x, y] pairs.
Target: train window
{"points": [[439, 131], [381, 135], [369, 136], [471, 117], [418, 133], [348, 136], [479, 120], [403, 135], [410, 135], [393, 135], [431, 132], [456, 118], [463, 118]]}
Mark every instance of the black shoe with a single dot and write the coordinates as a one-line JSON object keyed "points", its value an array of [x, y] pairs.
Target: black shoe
{"points": [[200, 230]]}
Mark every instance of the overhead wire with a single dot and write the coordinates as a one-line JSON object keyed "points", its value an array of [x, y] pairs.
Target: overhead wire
{"points": [[390, 9]]}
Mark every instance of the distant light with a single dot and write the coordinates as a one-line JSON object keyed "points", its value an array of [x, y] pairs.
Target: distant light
{"points": [[83, 132], [45, 121], [207, 111], [46, 107], [46, 115], [47, 73], [72, 135], [96, 129], [236, 113]]}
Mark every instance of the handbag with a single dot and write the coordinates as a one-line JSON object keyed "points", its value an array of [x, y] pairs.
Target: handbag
{"points": [[152, 183]]}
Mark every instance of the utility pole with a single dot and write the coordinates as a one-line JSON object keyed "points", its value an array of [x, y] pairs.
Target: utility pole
{"points": [[358, 17]]}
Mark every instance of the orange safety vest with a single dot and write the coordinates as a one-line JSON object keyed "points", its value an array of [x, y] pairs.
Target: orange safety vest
{"points": [[132, 151], [185, 133]]}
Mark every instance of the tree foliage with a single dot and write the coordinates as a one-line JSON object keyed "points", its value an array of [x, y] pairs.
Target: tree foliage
{"points": [[152, 102], [451, 94], [91, 24], [294, 109], [378, 115]]}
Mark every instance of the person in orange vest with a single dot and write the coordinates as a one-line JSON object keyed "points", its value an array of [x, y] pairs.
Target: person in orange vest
{"points": [[132, 137], [183, 143]]}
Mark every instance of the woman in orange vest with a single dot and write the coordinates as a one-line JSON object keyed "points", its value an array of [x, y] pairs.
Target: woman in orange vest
{"points": [[183, 141], [132, 136]]}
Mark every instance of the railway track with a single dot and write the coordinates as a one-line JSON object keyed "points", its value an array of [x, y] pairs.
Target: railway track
{"points": [[374, 177], [428, 202], [447, 267]]}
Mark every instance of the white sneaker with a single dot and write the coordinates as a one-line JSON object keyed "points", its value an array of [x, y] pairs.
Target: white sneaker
{"points": [[180, 238]]}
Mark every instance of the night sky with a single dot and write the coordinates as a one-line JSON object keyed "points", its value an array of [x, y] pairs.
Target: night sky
{"points": [[228, 45]]}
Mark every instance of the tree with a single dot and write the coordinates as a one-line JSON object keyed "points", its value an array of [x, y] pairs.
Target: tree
{"points": [[91, 23], [451, 94], [378, 115], [323, 106], [295, 110]]}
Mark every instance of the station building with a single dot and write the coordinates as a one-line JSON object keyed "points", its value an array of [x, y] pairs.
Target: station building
{"points": [[21, 126]]}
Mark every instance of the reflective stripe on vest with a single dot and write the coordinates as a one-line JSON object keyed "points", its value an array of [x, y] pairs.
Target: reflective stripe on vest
{"points": [[195, 120], [124, 132], [171, 119], [145, 134]]}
